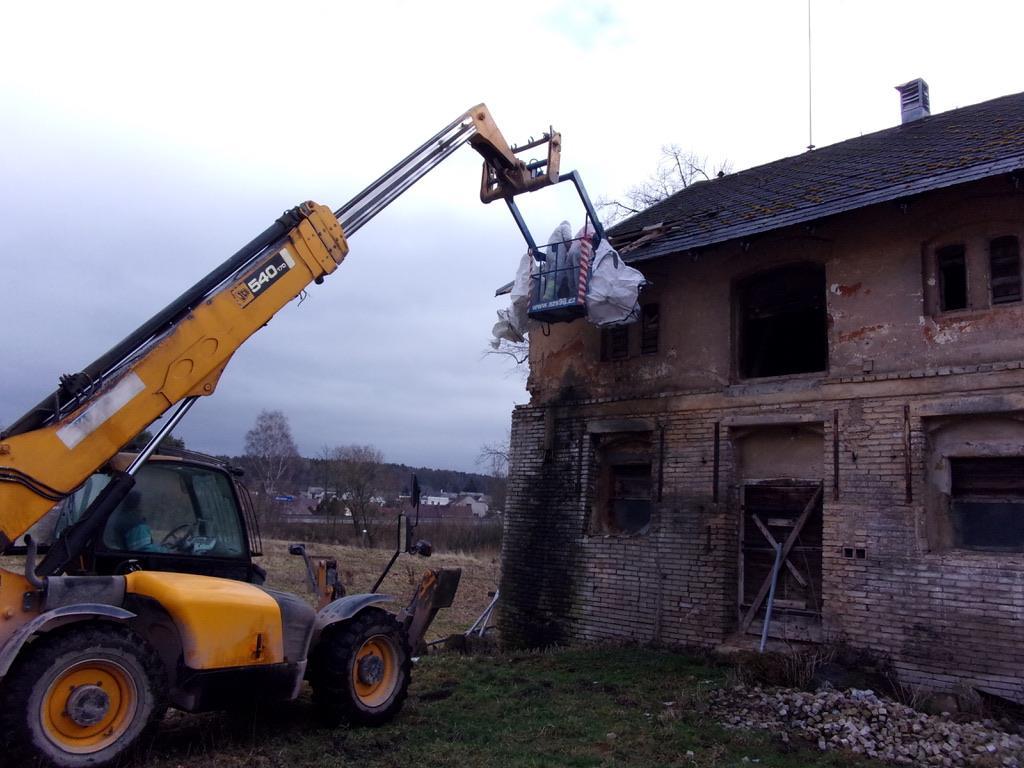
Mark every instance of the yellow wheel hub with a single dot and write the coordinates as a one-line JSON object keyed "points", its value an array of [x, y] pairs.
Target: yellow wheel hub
{"points": [[89, 706], [375, 671]]}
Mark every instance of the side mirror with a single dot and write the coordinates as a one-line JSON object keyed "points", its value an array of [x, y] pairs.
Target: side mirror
{"points": [[422, 548], [299, 550]]}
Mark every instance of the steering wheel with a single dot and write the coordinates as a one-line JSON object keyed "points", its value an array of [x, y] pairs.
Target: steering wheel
{"points": [[175, 538]]}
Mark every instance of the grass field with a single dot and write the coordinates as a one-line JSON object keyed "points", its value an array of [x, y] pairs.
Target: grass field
{"points": [[599, 707], [577, 707], [359, 569]]}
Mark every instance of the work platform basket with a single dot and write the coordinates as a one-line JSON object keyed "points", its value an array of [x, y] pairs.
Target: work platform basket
{"points": [[558, 287]]}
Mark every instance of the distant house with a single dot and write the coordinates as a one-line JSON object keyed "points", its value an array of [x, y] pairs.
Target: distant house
{"points": [[435, 501], [478, 507], [829, 361]]}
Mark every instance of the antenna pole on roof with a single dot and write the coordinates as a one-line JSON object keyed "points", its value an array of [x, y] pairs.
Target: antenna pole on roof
{"points": [[810, 132]]}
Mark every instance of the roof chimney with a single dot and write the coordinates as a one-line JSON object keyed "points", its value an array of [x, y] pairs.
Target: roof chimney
{"points": [[914, 100]]}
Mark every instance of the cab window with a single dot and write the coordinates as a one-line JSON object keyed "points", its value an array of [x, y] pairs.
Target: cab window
{"points": [[178, 509]]}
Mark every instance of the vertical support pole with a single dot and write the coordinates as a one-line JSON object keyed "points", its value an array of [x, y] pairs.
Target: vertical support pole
{"points": [[771, 596], [835, 454], [907, 466], [163, 432], [714, 481]]}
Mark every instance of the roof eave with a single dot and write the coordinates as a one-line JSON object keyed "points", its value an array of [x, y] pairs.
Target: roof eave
{"points": [[684, 242]]}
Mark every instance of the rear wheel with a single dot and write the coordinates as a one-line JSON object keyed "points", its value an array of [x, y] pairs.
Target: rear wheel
{"points": [[82, 697], [361, 670]]}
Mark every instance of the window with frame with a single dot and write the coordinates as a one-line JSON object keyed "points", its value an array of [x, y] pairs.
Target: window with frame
{"points": [[625, 500], [781, 322], [650, 324], [951, 266], [177, 508], [1004, 269], [986, 503], [615, 343]]}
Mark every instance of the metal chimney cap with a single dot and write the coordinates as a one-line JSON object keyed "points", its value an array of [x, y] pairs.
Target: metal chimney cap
{"points": [[914, 102]]}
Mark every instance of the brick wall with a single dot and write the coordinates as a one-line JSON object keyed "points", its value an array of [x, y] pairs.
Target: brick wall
{"points": [[945, 618]]}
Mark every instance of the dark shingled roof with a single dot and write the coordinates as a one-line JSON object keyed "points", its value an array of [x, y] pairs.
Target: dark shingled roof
{"points": [[950, 148]]}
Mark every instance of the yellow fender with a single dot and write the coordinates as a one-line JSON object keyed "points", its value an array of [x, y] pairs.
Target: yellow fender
{"points": [[222, 623]]}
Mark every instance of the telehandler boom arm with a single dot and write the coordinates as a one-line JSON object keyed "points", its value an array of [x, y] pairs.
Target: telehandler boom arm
{"points": [[180, 353]]}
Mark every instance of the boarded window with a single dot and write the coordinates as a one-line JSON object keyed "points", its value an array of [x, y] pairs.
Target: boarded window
{"points": [[650, 322], [782, 322], [624, 499], [987, 503], [771, 511], [615, 343], [1004, 269], [952, 269]]}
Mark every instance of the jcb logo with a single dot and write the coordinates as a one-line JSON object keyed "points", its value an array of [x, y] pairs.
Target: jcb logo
{"points": [[261, 278]]}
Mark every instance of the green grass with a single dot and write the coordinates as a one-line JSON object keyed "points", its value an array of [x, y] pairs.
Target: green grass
{"points": [[577, 708]]}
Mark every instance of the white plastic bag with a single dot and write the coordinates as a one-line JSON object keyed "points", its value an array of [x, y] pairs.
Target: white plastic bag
{"points": [[612, 297], [512, 322]]}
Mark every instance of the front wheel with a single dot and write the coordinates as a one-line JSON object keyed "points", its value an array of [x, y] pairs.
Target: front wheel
{"points": [[82, 697], [361, 669]]}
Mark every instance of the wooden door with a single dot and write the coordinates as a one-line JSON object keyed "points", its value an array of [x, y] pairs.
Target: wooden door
{"points": [[777, 512]]}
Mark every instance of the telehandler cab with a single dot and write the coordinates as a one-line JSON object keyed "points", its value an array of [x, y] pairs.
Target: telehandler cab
{"points": [[95, 645]]}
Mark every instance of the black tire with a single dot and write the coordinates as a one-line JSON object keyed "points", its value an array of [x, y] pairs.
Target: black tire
{"points": [[361, 669], [45, 722]]}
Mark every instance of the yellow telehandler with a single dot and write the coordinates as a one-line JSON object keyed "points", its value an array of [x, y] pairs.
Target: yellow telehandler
{"points": [[101, 630]]}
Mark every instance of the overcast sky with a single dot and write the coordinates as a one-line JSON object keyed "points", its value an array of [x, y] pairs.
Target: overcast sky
{"points": [[143, 143]]}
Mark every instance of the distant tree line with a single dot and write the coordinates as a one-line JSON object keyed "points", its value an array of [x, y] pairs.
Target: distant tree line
{"points": [[274, 467]]}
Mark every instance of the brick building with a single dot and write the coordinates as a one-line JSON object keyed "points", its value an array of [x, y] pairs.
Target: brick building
{"points": [[829, 357]]}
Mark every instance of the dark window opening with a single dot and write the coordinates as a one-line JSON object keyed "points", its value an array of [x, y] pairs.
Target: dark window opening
{"points": [[987, 503], [615, 343], [1004, 269], [952, 268], [782, 322], [630, 500], [650, 320], [625, 497]]}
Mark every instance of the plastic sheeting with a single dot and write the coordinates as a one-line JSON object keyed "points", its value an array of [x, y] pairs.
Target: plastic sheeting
{"points": [[512, 322], [614, 290], [612, 293]]}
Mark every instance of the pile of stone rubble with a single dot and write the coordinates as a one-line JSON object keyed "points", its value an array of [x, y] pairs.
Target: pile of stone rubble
{"points": [[868, 724]]}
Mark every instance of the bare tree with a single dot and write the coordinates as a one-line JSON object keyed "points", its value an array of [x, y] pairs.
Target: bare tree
{"points": [[677, 169], [271, 454], [325, 471], [516, 352], [495, 458], [358, 473]]}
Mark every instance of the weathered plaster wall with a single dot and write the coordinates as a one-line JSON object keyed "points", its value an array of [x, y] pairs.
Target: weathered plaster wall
{"points": [[880, 290]]}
